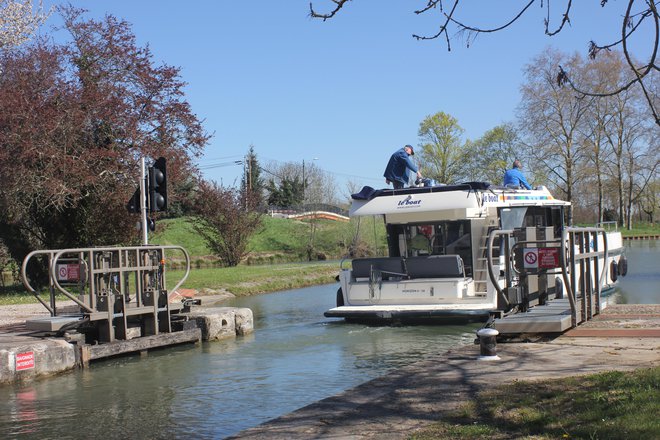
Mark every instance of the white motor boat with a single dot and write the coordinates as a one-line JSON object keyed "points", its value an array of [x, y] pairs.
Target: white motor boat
{"points": [[466, 252]]}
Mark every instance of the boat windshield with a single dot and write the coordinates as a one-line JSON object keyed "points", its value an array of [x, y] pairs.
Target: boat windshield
{"points": [[434, 238], [532, 216]]}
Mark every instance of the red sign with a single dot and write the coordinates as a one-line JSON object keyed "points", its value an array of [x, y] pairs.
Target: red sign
{"points": [[548, 258], [68, 272], [25, 361]]}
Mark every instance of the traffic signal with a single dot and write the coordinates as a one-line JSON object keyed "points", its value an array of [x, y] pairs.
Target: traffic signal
{"points": [[133, 205], [157, 182]]}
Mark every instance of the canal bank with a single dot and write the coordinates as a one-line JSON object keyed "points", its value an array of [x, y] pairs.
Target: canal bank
{"points": [[624, 337]]}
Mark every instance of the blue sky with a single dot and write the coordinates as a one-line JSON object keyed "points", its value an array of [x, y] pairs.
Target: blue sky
{"points": [[348, 91]]}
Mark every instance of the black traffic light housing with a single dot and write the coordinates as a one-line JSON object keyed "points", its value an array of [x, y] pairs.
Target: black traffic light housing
{"points": [[157, 183], [133, 205]]}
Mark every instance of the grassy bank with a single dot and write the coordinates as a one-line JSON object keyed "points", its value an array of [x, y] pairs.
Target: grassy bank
{"points": [[250, 280], [612, 405], [281, 240]]}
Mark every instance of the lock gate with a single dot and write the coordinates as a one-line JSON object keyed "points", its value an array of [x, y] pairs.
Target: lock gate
{"points": [[120, 293]]}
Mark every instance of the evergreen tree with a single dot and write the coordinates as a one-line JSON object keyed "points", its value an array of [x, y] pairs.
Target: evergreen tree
{"points": [[288, 193], [252, 183]]}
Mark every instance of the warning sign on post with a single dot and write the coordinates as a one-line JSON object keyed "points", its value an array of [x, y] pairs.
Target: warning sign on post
{"points": [[531, 258], [548, 258]]}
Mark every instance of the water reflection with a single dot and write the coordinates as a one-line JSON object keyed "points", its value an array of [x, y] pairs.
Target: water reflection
{"points": [[642, 284]]}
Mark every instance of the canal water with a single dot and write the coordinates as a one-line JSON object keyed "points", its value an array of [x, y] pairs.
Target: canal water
{"points": [[295, 357]]}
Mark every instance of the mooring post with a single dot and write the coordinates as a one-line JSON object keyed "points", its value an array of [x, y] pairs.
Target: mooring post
{"points": [[488, 344]]}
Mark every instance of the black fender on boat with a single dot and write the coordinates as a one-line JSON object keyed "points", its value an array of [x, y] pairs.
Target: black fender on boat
{"points": [[340, 297], [623, 266], [614, 271]]}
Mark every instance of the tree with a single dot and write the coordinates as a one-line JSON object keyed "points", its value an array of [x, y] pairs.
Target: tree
{"points": [[223, 222], [75, 119], [491, 155], [288, 193], [297, 183], [550, 118], [442, 153], [635, 15], [19, 21], [252, 183]]}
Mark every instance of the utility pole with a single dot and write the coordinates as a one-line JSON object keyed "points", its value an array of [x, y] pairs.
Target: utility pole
{"points": [[143, 202], [303, 182]]}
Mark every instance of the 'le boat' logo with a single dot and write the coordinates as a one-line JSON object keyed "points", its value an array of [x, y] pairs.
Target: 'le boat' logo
{"points": [[408, 202]]}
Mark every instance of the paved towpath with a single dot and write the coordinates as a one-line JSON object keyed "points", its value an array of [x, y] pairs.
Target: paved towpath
{"points": [[392, 406]]}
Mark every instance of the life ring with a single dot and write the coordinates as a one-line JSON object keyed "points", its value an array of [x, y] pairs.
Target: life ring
{"points": [[340, 297], [623, 266], [614, 271]]}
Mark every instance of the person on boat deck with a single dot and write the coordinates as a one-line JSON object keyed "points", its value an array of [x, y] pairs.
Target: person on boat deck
{"points": [[515, 178], [421, 242], [397, 168]]}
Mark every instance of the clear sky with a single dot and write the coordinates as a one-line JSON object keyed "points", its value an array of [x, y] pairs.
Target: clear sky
{"points": [[351, 90]]}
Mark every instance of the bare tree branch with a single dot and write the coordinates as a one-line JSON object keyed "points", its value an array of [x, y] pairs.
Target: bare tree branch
{"points": [[631, 22], [339, 4]]}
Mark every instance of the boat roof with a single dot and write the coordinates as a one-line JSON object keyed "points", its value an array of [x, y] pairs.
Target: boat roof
{"points": [[465, 200]]}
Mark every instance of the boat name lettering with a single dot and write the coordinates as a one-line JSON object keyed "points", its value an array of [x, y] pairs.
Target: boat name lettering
{"points": [[489, 198], [408, 201], [412, 291]]}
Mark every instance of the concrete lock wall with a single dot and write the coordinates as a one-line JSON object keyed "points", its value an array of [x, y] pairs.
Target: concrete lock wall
{"points": [[27, 360], [223, 322]]}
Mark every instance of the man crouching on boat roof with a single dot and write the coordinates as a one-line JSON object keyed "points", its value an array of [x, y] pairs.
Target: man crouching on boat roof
{"points": [[514, 178], [397, 168]]}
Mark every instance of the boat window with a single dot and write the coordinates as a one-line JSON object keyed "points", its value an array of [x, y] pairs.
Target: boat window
{"points": [[437, 238], [532, 216], [512, 218]]}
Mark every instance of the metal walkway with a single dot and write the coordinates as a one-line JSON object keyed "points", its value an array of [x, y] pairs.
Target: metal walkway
{"points": [[554, 317]]}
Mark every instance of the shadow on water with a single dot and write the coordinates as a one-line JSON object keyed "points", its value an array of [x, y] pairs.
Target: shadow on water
{"points": [[294, 357]]}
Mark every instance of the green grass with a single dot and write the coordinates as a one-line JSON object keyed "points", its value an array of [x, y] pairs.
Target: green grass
{"points": [[641, 229], [249, 280], [611, 405], [179, 231], [279, 240]]}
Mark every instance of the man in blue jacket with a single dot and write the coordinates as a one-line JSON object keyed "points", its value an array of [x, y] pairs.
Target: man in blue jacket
{"points": [[397, 168], [515, 178]]}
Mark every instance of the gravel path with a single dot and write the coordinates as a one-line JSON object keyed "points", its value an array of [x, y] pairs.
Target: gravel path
{"points": [[19, 313]]}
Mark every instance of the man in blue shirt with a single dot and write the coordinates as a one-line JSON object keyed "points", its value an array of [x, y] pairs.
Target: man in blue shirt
{"points": [[397, 168], [515, 178]]}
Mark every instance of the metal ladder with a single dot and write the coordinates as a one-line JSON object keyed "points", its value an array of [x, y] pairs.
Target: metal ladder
{"points": [[480, 271]]}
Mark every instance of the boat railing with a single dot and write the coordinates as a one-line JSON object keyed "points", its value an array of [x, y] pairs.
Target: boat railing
{"points": [[504, 235], [608, 226]]}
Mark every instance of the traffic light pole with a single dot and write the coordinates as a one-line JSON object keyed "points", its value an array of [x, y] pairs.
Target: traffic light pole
{"points": [[143, 202]]}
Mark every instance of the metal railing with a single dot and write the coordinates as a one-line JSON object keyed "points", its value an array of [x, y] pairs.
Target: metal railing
{"points": [[111, 284], [580, 263]]}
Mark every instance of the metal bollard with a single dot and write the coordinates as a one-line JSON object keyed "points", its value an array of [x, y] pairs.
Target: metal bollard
{"points": [[488, 344]]}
